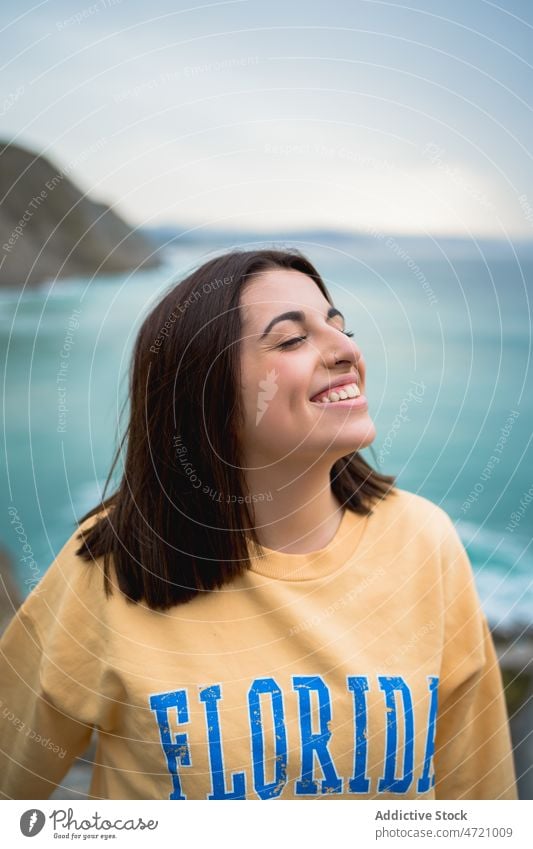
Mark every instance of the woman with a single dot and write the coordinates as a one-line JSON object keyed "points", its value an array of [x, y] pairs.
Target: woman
{"points": [[256, 613]]}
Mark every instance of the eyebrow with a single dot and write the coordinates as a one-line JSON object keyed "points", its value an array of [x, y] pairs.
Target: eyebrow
{"points": [[295, 315]]}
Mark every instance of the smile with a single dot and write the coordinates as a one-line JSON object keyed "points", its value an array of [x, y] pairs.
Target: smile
{"points": [[359, 402], [339, 393]]}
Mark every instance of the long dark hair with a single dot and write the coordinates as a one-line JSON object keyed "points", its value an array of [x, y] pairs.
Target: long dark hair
{"points": [[170, 527]]}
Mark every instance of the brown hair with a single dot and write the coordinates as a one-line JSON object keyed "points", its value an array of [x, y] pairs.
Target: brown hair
{"points": [[171, 537]]}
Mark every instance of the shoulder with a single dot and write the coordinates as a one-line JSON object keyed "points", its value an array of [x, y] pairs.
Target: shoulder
{"points": [[69, 583], [428, 528], [413, 512], [409, 527], [420, 537], [89, 521], [85, 525], [68, 564]]}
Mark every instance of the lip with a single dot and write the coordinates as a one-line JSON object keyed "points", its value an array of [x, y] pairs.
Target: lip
{"points": [[342, 380]]}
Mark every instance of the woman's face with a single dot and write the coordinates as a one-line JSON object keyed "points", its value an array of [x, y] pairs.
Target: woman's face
{"points": [[279, 380]]}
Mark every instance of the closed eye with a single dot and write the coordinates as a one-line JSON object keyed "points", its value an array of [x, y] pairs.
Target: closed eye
{"points": [[291, 342]]}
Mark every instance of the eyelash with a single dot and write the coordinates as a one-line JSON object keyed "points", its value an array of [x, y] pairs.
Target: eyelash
{"points": [[290, 342]]}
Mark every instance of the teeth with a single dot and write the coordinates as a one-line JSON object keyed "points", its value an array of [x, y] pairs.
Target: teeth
{"points": [[351, 390]]}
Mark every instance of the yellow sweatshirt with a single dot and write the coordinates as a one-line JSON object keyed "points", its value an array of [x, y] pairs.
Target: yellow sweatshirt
{"points": [[365, 670]]}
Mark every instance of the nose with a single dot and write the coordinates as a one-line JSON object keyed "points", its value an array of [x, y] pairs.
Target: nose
{"points": [[345, 351], [346, 356]]}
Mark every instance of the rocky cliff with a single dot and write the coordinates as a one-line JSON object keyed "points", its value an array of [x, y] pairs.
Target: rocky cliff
{"points": [[50, 229]]}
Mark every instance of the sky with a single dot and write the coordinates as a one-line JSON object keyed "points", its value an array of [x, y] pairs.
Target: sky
{"points": [[366, 115]]}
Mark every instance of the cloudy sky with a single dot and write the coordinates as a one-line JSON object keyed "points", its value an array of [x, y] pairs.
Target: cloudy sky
{"points": [[249, 114]]}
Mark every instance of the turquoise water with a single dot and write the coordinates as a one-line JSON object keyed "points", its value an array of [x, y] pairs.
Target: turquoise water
{"points": [[448, 349]]}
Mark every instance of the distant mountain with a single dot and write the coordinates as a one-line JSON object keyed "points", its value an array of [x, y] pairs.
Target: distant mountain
{"points": [[49, 228], [382, 246]]}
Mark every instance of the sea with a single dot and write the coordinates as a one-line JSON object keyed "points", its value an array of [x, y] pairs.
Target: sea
{"points": [[447, 342]]}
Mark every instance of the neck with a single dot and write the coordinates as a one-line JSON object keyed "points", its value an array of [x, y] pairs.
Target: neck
{"points": [[303, 514]]}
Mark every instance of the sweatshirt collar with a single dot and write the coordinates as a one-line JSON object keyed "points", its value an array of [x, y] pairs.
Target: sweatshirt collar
{"points": [[314, 564]]}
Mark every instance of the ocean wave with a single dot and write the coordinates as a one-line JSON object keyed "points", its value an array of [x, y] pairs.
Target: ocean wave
{"points": [[503, 574]]}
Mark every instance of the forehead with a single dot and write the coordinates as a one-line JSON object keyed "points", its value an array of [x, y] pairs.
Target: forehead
{"points": [[277, 291]]}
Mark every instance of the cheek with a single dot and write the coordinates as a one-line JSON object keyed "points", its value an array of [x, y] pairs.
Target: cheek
{"points": [[293, 373], [276, 389], [285, 384]]}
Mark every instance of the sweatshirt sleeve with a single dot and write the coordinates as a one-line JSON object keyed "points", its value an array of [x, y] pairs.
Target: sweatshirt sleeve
{"points": [[52, 677], [473, 750], [38, 742]]}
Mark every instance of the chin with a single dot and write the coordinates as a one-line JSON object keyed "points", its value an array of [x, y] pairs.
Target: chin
{"points": [[360, 436]]}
